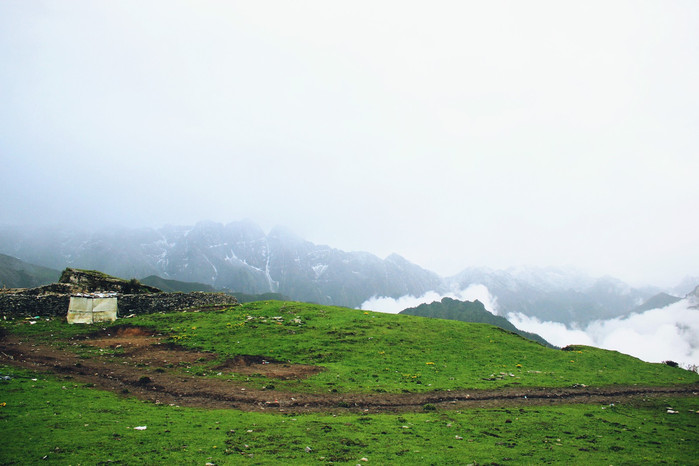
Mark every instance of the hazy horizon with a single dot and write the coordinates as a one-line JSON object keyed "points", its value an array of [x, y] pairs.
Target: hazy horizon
{"points": [[457, 134], [458, 294]]}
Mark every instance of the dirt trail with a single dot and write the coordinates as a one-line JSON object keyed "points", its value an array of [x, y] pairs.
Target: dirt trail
{"points": [[138, 371]]}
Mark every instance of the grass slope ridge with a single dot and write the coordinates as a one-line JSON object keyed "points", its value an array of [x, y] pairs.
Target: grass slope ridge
{"points": [[174, 286], [15, 273], [370, 352], [469, 311]]}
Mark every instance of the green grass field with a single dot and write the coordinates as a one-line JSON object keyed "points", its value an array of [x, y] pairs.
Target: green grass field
{"points": [[62, 422], [57, 419], [369, 351]]}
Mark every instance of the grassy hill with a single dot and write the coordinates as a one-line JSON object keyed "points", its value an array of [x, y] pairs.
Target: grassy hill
{"points": [[15, 273], [362, 354], [468, 311], [249, 298], [173, 286], [369, 351]]}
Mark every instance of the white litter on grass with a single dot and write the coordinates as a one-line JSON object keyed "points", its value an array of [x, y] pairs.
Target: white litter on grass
{"points": [[140, 428]]}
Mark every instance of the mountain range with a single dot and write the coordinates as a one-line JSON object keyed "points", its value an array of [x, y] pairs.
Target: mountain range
{"points": [[555, 293], [241, 257], [236, 257]]}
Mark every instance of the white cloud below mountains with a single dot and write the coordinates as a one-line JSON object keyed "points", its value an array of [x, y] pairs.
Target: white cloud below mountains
{"points": [[394, 306], [669, 333], [656, 335]]}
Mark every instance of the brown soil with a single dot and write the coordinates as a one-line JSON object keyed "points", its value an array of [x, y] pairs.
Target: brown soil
{"points": [[150, 369]]}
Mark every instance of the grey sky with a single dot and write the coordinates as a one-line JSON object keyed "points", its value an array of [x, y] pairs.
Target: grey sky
{"points": [[454, 133]]}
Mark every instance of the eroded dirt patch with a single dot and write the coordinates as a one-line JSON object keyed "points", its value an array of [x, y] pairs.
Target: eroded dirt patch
{"points": [[252, 364], [144, 347]]}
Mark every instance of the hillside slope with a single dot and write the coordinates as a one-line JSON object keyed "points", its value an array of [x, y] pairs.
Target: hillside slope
{"points": [[307, 383], [468, 311], [349, 350], [173, 286], [15, 273]]}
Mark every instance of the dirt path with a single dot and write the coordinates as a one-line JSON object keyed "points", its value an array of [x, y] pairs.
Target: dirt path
{"points": [[137, 371]]}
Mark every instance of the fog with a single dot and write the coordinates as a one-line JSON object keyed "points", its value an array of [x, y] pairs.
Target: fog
{"points": [[453, 133], [669, 333], [657, 335], [394, 306]]}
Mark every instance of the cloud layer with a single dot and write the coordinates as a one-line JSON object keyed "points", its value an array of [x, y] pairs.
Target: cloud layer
{"points": [[669, 333], [394, 306]]}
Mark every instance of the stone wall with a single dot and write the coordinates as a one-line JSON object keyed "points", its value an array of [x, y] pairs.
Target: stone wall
{"points": [[16, 305], [51, 305], [165, 302]]}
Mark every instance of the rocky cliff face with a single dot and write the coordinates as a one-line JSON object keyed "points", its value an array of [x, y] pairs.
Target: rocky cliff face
{"points": [[91, 281]]}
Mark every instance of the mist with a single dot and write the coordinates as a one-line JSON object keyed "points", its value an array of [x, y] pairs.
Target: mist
{"points": [[395, 305], [657, 335], [456, 134], [670, 333]]}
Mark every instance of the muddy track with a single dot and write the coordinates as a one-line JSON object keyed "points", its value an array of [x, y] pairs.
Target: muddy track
{"points": [[137, 373]]}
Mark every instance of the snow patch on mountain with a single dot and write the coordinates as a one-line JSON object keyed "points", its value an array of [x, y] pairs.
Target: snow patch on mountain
{"points": [[232, 259], [319, 269], [215, 275]]}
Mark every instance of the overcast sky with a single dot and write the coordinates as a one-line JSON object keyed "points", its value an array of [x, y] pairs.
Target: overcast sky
{"points": [[453, 133]]}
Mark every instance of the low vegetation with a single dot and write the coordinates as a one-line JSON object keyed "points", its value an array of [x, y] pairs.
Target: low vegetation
{"points": [[56, 419], [60, 418]]}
